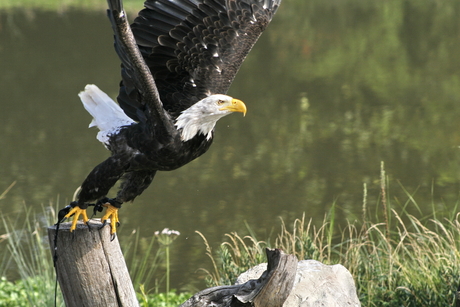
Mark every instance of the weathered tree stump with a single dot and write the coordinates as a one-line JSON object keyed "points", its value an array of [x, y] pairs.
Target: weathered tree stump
{"points": [[90, 268], [270, 290]]}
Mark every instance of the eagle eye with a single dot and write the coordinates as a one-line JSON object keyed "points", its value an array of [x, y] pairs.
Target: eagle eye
{"points": [[220, 102]]}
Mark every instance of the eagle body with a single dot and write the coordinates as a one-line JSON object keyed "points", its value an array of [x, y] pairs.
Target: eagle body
{"points": [[137, 150], [178, 59]]}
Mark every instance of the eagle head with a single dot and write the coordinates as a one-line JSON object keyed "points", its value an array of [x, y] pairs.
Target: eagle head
{"points": [[203, 115]]}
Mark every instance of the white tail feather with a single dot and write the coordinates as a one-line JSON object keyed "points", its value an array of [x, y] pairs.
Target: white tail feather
{"points": [[107, 114]]}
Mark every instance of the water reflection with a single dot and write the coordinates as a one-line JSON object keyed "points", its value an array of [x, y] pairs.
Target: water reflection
{"points": [[330, 92]]}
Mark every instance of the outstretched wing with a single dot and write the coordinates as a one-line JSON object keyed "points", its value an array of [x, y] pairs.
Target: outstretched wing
{"points": [[193, 48]]}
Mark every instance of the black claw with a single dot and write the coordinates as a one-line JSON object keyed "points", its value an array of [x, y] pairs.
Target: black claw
{"points": [[103, 224], [89, 227], [113, 236]]}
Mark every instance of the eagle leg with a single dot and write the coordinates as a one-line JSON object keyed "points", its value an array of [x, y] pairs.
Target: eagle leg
{"points": [[77, 211], [111, 213]]}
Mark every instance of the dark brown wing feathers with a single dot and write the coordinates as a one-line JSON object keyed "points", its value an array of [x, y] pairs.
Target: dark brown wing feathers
{"points": [[193, 48]]}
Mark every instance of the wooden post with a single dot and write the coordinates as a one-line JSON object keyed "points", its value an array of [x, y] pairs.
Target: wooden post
{"points": [[90, 268]]}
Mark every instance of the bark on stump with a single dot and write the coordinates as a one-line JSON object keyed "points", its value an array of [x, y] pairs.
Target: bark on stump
{"points": [[90, 268]]}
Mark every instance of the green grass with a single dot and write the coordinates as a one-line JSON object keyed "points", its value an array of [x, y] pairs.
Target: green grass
{"points": [[28, 253], [22, 293], [141, 268], [401, 261], [18, 294], [169, 299]]}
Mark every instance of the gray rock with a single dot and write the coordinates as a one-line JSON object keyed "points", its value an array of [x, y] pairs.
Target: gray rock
{"points": [[315, 284]]}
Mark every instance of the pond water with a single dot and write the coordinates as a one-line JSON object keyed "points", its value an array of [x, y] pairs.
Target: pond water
{"points": [[332, 89]]}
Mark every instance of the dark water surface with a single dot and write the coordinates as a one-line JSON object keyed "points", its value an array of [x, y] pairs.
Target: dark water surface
{"points": [[332, 88]]}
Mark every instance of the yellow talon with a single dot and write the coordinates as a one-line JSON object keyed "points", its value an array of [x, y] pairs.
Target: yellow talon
{"points": [[112, 214], [77, 211]]}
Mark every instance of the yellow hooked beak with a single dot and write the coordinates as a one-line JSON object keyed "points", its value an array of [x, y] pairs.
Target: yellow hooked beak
{"points": [[235, 106]]}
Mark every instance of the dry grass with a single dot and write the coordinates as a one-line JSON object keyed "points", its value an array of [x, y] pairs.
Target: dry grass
{"points": [[417, 264], [399, 262]]}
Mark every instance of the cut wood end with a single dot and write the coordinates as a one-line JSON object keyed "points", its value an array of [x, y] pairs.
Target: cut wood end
{"points": [[95, 224]]}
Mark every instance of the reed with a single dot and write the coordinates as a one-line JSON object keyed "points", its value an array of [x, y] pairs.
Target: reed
{"points": [[403, 261], [28, 255]]}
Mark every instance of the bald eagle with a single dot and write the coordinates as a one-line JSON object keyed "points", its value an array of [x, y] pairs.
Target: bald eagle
{"points": [[179, 58]]}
